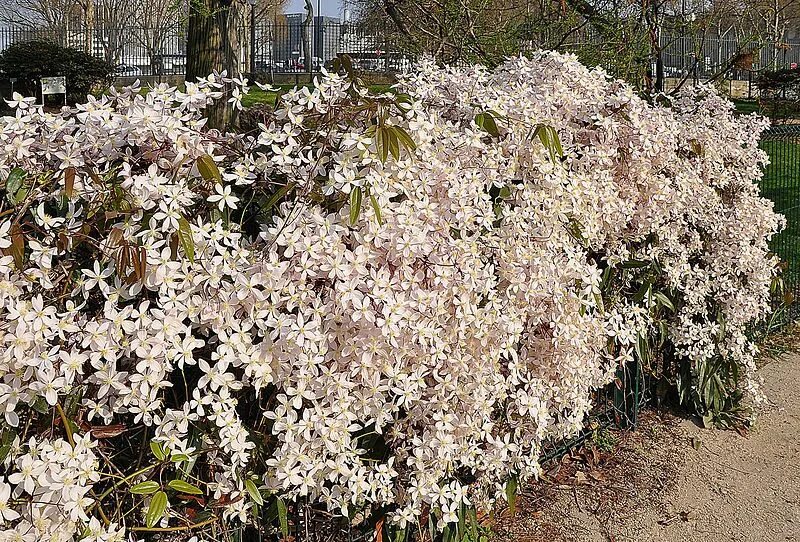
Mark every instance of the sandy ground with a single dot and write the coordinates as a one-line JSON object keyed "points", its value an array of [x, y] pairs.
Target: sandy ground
{"points": [[673, 481]]}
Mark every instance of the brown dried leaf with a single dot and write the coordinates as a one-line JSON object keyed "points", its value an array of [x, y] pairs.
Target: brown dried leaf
{"points": [[107, 431], [597, 476], [17, 245], [69, 181]]}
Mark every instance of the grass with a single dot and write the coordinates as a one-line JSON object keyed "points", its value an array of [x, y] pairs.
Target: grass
{"points": [[746, 106], [781, 184], [256, 96]]}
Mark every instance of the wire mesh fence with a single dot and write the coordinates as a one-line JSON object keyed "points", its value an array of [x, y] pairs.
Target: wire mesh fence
{"points": [[781, 184]]}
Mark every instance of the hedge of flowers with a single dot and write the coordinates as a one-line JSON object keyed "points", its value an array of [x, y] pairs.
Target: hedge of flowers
{"points": [[380, 305]]}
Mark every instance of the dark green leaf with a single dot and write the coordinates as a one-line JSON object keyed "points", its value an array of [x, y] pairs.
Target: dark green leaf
{"points": [[393, 143], [14, 183], [355, 204], [634, 264], [664, 300], [381, 144], [186, 238], [277, 196], [377, 208]]}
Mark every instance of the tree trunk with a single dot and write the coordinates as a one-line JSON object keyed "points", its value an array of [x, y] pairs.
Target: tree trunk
{"points": [[307, 36], [213, 44]]}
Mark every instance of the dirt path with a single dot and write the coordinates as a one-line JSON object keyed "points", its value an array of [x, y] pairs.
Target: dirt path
{"points": [[672, 481]]}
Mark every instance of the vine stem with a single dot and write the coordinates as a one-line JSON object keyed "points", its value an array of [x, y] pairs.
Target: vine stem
{"points": [[125, 480], [67, 426], [174, 529]]}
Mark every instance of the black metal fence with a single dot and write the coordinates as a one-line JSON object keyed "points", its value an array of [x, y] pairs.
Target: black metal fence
{"points": [[283, 45], [266, 47]]}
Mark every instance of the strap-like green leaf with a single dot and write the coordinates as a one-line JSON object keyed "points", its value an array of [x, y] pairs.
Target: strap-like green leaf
{"points": [[145, 488], [283, 518], [253, 491], [184, 487], [356, 196], [186, 238], [511, 495], [158, 505]]}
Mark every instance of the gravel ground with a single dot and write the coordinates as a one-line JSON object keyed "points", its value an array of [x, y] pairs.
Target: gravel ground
{"points": [[673, 481]]}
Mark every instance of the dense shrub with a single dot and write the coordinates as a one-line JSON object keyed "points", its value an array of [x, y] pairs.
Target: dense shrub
{"points": [[28, 61], [380, 304], [779, 93]]}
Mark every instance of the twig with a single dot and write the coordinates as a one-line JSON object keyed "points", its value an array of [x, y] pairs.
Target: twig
{"points": [[174, 529]]}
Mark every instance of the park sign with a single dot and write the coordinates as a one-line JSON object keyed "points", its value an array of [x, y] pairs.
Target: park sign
{"points": [[54, 85]]}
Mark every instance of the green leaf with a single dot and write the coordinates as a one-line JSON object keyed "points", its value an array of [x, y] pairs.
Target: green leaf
{"points": [[7, 442], [208, 169], [355, 204], [634, 264], [145, 488], [377, 208], [277, 196], [485, 122], [381, 143], [14, 183], [40, 405], [549, 138], [511, 495], [405, 139], [157, 450], [642, 348], [179, 458], [473, 523], [664, 300], [184, 487], [283, 518], [158, 505], [186, 238], [393, 143], [252, 490]]}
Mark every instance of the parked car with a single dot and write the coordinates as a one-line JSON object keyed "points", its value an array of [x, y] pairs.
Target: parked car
{"points": [[127, 70], [370, 64]]}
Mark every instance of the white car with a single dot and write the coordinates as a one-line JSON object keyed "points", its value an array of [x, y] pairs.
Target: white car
{"points": [[126, 70]]}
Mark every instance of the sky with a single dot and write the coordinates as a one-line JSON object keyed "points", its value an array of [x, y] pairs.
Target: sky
{"points": [[331, 8]]}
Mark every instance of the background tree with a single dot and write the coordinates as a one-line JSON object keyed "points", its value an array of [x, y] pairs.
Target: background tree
{"points": [[213, 44]]}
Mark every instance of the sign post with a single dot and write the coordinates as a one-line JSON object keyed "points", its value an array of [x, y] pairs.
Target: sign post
{"points": [[54, 85]]}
